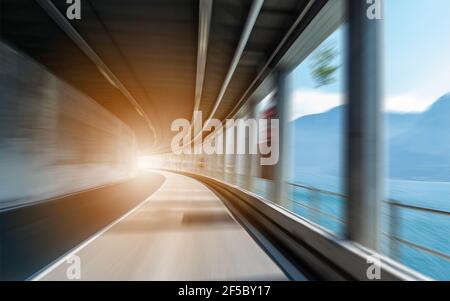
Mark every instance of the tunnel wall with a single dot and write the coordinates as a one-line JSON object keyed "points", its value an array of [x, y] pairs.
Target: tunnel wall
{"points": [[54, 140]]}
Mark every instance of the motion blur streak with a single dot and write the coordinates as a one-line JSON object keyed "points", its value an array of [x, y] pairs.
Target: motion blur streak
{"points": [[180, 219], [53, 138], [82, 173], [34, 236]]}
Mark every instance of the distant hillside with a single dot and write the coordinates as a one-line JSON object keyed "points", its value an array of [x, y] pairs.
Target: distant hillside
{"points": [[418, 144], [423, 151]]}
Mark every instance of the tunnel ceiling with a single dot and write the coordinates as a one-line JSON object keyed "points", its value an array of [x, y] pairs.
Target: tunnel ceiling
{"points": [[151, 47]]}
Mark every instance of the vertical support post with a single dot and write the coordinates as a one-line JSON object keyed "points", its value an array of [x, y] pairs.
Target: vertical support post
{"points": [[230, 151], [314, 204], [255, 159], [239, 161], [250, 158], [214, 163], [364, 122], [221, 157], [247, 163], [234, 160], [282, 109], [394, 224]]}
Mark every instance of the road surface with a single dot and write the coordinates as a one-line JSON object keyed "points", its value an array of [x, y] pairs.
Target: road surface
{"points": [[181, 232]]}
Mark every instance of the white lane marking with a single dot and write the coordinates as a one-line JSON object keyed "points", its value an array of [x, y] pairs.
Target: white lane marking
{"points": [[52, 266]]}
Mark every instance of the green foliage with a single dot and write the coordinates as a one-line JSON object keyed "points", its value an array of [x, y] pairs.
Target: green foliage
{"points": [[322, 69]]}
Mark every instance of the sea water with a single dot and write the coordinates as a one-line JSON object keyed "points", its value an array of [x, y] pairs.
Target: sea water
{"points": [[426, 229]]}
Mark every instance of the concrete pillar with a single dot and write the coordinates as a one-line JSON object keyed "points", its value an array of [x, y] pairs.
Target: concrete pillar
{"points": [[221, 157], [249, 159], [281, 169], [255, 164], [364, 143]]}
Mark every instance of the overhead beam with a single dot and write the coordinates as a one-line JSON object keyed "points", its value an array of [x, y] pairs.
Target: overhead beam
{"points": [[73, 34], [204, 24], [248, 28], [245, 35], [269, 62], [205, 12]]}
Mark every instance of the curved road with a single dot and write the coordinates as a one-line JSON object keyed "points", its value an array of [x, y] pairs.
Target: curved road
{"points": [[182, 232]]}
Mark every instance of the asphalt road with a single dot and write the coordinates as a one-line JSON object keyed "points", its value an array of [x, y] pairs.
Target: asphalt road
{"points": [[34, 236], [182, 232]]}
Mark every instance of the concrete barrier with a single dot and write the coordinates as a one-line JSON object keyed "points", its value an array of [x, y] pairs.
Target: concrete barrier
{"points": [[54, 140], [34, 236]]}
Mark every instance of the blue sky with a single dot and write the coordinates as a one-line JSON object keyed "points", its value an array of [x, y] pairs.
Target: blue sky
{"points": [[417, 60]]}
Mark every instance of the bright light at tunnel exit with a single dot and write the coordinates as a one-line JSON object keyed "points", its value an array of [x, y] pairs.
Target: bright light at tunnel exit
{"points": [[144, 162], [149, 162]]}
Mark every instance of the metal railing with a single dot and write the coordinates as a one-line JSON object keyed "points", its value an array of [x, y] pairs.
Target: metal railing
{"points": [[394, 220], [332, 215], [394, 231], [314, 199]]}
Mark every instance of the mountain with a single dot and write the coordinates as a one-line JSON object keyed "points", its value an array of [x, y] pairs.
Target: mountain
{"points": [[423, 151], [318, 142], [418, 144], [397, 123]]}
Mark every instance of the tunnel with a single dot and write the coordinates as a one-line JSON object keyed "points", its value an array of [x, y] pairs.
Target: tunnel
{"points": [[224, 140]]}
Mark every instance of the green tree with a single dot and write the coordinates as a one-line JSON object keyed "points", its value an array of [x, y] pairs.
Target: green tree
{"points": [[323, 70]]}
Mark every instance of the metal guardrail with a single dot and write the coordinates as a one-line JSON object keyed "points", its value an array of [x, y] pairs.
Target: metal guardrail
{"points": [[394, 235], [316, 189], [309, 247], [394, 224], [314, 195], [418, 208], [332, 217]]}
